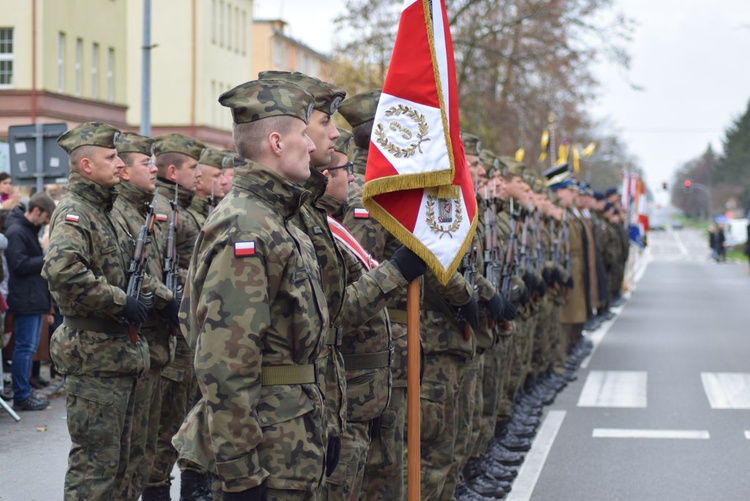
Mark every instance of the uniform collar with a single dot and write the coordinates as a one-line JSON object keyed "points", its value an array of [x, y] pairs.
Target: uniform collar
{"points": [[261, 182], [137, 196], [92, 191], [359, 159], [165, 187]]}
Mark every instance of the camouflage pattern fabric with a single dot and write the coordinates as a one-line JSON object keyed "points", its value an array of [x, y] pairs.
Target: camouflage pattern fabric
{"points": [[130, 142], [327, 97], [253, 299], [360, 108], [198, 209], [177, 143], [130, 211], [85, 269], [260, 99], [89, 134], [345, 483]]}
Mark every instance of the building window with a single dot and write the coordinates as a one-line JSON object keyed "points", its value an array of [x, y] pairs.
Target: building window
{"points": [[79, 56], [6, 58], [229, 26], [95, 71], [279, 53], [237, 29], [221, 23], [61, 62], [212, 102], [213, 22], [244, 32], [111, 75]]}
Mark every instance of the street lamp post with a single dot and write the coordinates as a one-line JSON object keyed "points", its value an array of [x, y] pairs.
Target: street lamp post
{"points": [[705, 189]]}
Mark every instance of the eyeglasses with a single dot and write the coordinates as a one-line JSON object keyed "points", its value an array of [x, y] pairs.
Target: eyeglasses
{"points": [[349, 166], [148, 163]]}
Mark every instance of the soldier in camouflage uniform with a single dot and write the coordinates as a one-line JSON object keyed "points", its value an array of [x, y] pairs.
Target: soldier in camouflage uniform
{"points": [[177, 159], [136, 193], [208, 189], [385, 470], [256, 313], [366, 349], [99, 354]]}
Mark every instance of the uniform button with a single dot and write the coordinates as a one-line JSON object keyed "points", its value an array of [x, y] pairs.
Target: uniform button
{"points": [[264, 420]]}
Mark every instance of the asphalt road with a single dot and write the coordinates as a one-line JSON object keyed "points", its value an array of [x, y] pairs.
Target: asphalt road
{"points": [[662, 409], [660, 412]]}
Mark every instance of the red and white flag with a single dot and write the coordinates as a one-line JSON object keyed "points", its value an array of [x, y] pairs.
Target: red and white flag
{"points": [[417, 183]]}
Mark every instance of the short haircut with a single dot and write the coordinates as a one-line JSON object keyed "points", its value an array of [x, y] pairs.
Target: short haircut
{"points": [[361, 134], [166, 159], [4, 176], [250, 136], [128, 158], [79, 154]]}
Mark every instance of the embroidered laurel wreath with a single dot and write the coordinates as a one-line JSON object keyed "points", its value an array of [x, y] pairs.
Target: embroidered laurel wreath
{"points": [[406, 133], [434, 225]]}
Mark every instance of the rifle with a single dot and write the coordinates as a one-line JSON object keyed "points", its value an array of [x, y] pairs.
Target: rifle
{"points": [[171, 270], [469, 267], [137, 268], [565, 237], [510, 257], [491, 251]]}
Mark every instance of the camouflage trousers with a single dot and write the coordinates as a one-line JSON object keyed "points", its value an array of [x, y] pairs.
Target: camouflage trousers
{"points": [[521, 344], [504, 353], [179, 390], [385, 471], [146, 413], [544, 342], [100, 421], [271, 494], [466, 404], [492, 382], [345, 483], [441, 381]]}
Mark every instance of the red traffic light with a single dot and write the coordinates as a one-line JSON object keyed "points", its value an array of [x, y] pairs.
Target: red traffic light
{"points": [[688, 183]]}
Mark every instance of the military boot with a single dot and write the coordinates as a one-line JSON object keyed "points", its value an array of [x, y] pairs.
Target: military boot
{"points": [[489, 487], [156, 494], [195, 486]]}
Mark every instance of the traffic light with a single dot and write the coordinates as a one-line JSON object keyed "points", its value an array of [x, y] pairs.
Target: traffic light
{"points": [[664, 185], [688, 183]]}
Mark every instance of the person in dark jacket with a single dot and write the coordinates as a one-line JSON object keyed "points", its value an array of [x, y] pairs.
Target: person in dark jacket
{"points": [[28, 294]]}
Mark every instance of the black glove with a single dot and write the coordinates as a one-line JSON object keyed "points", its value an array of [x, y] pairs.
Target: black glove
{"points": [[409, 264], [541, 288], [496, 307], [253, 494], [530, 280], [557, 276], [470, 313], [333, 451], [170, 312], [547, 275], [135, 312]]}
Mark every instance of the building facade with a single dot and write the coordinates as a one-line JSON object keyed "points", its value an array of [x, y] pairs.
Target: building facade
{"points": [[274, 50]]}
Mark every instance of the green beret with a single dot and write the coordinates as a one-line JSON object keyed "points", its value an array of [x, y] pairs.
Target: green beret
{"points": [[538, 186], [232, 159], [177, 143], [472, 144], [213, 157], [259, 99], [489, 161], [130, 142], [343, 142], [89, 134], [327, 96], [360, 108], [529, 177]]}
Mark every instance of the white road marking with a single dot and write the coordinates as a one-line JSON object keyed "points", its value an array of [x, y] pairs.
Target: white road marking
{"points": [[634, 433], [614, 389], [596, 337], [680, 244], [529, 473], [727, 390]]}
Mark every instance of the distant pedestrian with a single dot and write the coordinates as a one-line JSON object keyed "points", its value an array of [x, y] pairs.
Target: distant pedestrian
{"points": [[28, 294]]}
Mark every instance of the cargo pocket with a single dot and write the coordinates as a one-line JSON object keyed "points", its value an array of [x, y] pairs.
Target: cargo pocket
{"points": [[90, 411], [432, 404], [294, 439]]}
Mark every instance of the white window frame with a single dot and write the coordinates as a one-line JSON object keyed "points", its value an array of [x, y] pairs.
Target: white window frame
{"points": [[78, 63], [111, 75], [60, 62], [95, 71], [9, 57]]}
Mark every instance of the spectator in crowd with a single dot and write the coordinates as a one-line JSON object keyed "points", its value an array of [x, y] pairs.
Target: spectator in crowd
{"points": [[9, 197], [28, 294]]}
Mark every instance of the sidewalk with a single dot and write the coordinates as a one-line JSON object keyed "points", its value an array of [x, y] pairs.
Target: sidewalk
{"points": [[34, 453]]}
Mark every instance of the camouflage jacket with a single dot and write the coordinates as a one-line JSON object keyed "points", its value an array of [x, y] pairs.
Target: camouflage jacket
{"points": [[129, 214], [187, 226], [368, 389], [199, 208], [253, 300], [85, 268]]}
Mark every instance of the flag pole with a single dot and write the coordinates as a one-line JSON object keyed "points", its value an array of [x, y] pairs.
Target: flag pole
{"points": [[414, 455]]}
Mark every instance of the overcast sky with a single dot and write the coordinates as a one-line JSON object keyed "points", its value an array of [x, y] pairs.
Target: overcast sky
{"points": [[689, 56]]}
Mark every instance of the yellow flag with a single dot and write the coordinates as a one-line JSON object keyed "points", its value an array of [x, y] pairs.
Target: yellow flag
{"points": [[562, 153], [588, 150], [576, 159], [545, 146], [520, 153]]}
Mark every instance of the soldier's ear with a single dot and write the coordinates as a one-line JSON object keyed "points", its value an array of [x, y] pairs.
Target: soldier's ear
{"points": [[86, 165], [274, 141]]}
